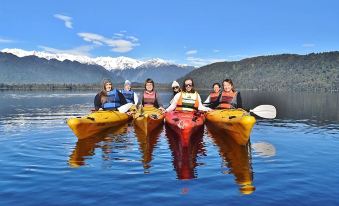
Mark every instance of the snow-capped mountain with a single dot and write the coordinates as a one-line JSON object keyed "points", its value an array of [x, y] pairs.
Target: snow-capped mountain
{"points": [[109, 63]]}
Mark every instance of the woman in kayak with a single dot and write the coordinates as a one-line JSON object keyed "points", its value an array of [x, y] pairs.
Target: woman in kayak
{"points": [[230, 98], [130, 95], [176, 89], [188, 99], [213, 98], [150, 97], [108, 98]]}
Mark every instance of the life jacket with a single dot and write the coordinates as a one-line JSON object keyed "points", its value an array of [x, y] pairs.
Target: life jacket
{"points": [[187, 102], [214, 96], [149, 99], [226, 100], [112, 101], [129, 95]]}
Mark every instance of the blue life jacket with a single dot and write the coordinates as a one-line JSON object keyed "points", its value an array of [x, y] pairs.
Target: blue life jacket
{"points": [[113, 100], [129, 95]]}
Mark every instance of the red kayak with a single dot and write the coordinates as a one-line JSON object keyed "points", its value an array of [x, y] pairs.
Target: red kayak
{"points": [[185, 124]]}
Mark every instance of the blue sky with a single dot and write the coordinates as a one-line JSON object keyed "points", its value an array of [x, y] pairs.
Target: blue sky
{"points": [[194, 32]]}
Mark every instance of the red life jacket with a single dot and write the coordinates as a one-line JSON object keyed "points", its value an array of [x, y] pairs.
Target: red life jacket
{"points": [[226, 99], [149, 99], [214, 96]]}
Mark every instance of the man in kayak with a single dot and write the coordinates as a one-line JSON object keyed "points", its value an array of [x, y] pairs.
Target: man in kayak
{"points": [[150, 97], [108, 98], [176, 89], [130, 95], [213, 98], [230, 98], [188, 99]]}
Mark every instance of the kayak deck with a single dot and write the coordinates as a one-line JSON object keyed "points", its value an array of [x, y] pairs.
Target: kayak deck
{"points": [[96, 122], [237, 123]]}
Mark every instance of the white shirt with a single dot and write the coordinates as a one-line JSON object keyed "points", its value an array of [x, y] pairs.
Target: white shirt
{"points": [[176, 99]]}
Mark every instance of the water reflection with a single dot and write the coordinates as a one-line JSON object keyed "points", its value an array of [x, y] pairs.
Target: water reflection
{"points": [[85, 148], [237, 159], [147, 143], [185, 156]]}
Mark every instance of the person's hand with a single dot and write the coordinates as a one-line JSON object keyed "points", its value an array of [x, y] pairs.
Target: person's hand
{"points": [[100, 109], [128, 113], [162, 110]]}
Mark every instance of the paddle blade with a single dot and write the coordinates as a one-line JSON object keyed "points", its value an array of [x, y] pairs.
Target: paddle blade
{"points": [[265, 111], [124, 108]]}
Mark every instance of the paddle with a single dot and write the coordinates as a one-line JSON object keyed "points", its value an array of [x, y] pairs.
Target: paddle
{"points": [[124, 108], [265, 111]]}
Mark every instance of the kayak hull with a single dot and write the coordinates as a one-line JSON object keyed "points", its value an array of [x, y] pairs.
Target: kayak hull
{"points": [[237, 123], [96, 122], [149, 119], [185, 124]]}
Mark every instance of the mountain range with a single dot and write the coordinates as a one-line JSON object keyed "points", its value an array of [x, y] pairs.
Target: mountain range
{"points": [[311, 72], [118, 68]]}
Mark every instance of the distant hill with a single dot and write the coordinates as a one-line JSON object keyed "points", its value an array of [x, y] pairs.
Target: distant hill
{"points": [[35, 70], [277, 72], [165, 73]]}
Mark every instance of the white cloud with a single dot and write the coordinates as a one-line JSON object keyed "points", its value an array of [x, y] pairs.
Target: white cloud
{"points": [[66, 19], [216, 50], [120, 45], [82, 50], [202, 61], [2, 40], [191, 52], [308, 45], [119, 34], [133, 38]]}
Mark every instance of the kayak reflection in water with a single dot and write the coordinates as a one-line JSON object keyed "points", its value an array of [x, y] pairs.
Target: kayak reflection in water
{"points": [[237, 158], [147, 143], [185, 155], [85, 148], [109, 98]]}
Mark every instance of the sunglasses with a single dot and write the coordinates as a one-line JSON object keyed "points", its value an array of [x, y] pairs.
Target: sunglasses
{"points": [[188, 85], [175, 87]]}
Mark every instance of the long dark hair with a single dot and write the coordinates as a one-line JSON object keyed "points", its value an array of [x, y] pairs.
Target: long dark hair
{"points": [[230, 82], [184, 85], [149, 80]]}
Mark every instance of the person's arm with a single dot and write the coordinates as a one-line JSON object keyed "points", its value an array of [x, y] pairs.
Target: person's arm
{"points": [[158, 99], [239, 100], [202, 107], [122, 98], [97, 102], [208, 99], [136, 98], [174, 103]]}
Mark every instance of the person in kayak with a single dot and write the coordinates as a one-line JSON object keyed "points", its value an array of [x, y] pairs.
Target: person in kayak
{"points": [[213, 98], [150, 97], [130, 95], [188, 99], [175, 88], [230, 98], [108, 98]]}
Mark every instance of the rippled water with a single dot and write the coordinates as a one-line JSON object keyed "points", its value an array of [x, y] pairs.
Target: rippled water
{"points": [[292, 160]]}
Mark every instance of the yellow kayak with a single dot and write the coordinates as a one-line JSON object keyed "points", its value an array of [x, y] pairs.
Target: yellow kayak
{"points": [[148, 118], [96, 122], [237, 123]]}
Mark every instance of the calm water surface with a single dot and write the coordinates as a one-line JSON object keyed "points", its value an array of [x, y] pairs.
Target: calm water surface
{"points": [[292, 160]]}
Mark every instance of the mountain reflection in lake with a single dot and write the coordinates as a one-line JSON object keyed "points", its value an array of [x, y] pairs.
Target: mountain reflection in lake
{"points": [[291, 159]]}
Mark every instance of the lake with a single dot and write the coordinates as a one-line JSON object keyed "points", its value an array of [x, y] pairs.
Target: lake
{"points": [[291, 160]]}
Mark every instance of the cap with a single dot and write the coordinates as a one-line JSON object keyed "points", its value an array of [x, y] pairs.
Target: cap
{"points": [[127, 82], [175, 84]]}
